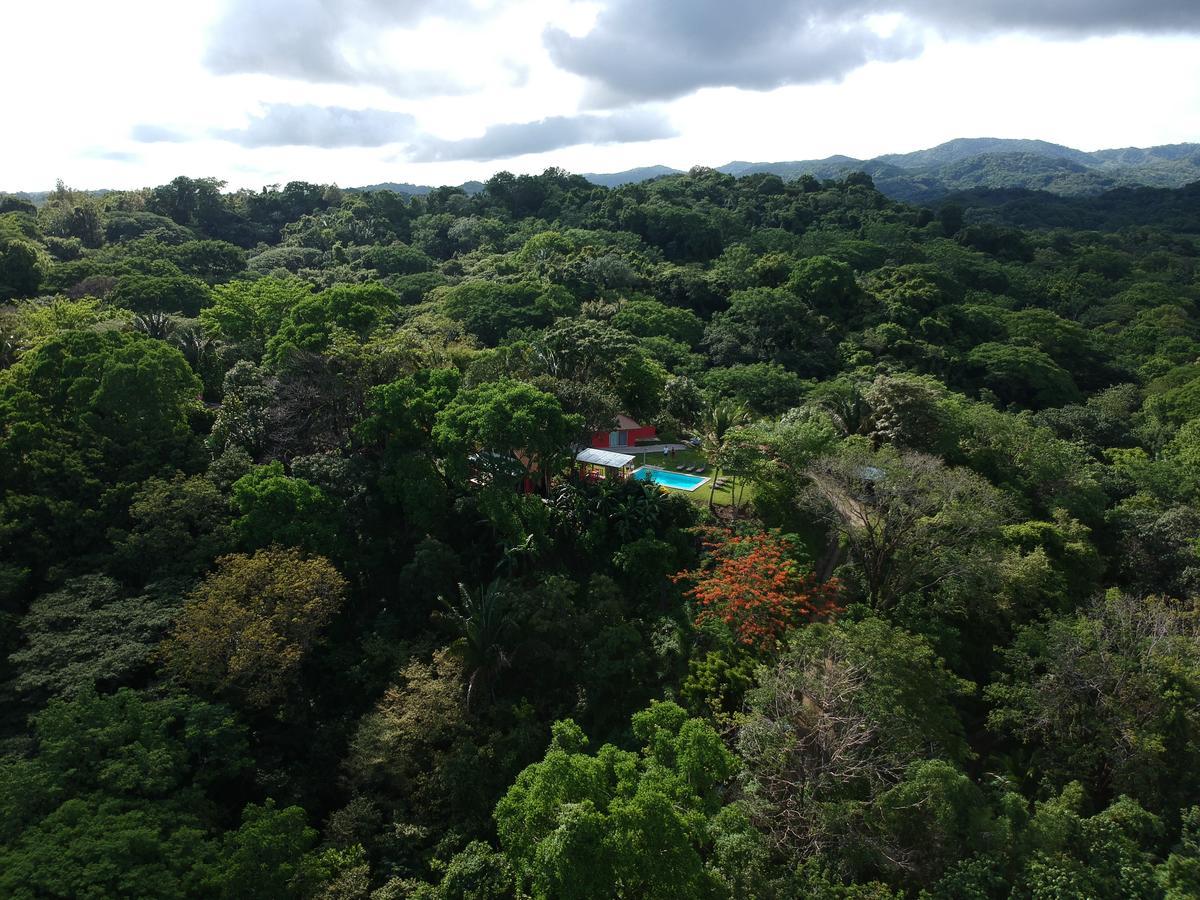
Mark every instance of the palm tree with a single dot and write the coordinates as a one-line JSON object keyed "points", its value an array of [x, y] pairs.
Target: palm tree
{"points": [[198, 348], [516, 557], [844, 402], [483, 625], [156, 324], [715, 423], [636, 510]]}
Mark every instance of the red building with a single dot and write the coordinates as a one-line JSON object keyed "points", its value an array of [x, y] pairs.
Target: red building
{"points": [[626, 434]]}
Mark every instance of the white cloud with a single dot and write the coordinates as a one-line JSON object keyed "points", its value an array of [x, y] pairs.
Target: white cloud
{"points": [[149, 107], [285, 124], [509, 140]]}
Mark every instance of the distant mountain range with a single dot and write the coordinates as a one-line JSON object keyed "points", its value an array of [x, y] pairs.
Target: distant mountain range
{"points": [[925, 176], [414, 190], [964, 164]]}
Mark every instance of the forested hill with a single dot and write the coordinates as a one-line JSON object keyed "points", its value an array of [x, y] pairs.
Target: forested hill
{"points": [[965, 164], [304, 595], [1173, 210]]}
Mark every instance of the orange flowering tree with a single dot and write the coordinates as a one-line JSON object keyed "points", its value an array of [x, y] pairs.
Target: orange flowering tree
{"points": [[753, 585]]}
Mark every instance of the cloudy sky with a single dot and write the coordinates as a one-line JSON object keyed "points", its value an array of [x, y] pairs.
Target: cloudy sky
{"points": [[125, 93]]}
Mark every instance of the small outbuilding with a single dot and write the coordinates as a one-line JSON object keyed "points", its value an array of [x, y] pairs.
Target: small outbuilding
{"points": [[606, 462]]}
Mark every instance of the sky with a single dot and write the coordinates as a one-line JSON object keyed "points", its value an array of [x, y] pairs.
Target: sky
{"points": [[129, 93]]}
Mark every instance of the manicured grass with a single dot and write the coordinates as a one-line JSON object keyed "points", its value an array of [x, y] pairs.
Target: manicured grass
{"points": [[722, 497]]}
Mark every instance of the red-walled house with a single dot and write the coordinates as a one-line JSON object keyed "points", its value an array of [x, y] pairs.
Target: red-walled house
{"points": [[626, 434]]}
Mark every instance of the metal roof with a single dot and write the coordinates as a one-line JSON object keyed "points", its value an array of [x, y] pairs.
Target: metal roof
{"points": [[605, 458]]}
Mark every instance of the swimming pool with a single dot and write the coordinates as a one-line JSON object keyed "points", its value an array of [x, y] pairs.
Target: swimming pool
{"points": [[677, 480]]}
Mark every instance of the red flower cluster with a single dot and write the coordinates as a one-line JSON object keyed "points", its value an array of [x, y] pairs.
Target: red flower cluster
{"points": [[750, 583]]}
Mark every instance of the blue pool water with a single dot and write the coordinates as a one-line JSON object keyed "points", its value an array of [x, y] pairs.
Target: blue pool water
{"points": [[677, 480]]}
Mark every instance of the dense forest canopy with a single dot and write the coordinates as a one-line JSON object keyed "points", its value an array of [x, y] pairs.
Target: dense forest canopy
{"points": [[304, 595]]}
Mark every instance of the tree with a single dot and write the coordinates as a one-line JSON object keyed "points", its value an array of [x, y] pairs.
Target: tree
{"points": [[833, 727], [188, 201], [309, 324], [491, 310], [584, 349], [1179, 875], [593, 401], [118, 798], [21, 268], [777, 456], [90, 635], [129, 394], [752, 583], [212, 261], [649, 318], [483, 625], [618, 824], [161, 293], [718, 420], [906, 412], [277, 509], [477, 872], [93, 847], [28, 325], [1156, 546], [950, 218], [132, 744], [1104, 855], [265, 856], [248, 627], [681, 400], [1026, 460], [248, 397], [827, 286], [1103, 696], [403, 412], [178, 526], [513, 424], [83, 418], [765, 388], [1022, 375], [910, 522], [396, 434], [1069, 344], [769, 325], [114, 798], [399, 259], [403, 751], [248, 313], [284, 260]]}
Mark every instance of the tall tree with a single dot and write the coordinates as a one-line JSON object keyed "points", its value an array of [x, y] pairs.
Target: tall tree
{"points": [[910, 522], [248, 627], [513, 427], [618, 824]]}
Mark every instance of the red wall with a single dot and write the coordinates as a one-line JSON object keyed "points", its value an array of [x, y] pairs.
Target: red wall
{"points": [[644, 433]]}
